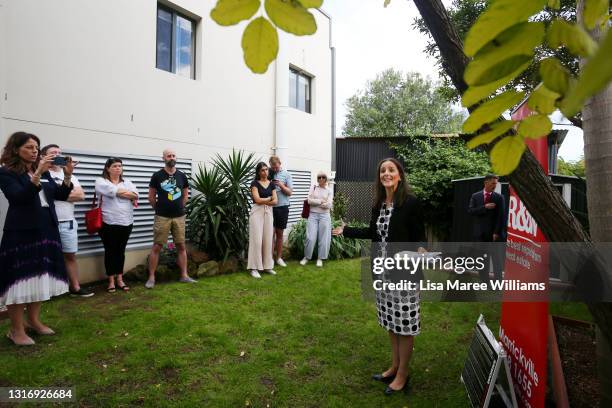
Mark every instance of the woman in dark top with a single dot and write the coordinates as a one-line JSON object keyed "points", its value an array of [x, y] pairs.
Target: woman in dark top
{"points": [[32, 266], [260, 223], [396, 217]]}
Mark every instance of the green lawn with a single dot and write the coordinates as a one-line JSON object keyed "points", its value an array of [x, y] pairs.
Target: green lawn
{"points": [[304, 338]]}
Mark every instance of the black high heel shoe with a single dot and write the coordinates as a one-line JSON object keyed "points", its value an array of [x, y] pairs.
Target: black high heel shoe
{"points": [[383, 379]]}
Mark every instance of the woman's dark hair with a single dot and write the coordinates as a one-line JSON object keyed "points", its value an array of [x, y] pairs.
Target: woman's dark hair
{"points": [[110, 162], [10, 154], [403, 188], [259, 166]]}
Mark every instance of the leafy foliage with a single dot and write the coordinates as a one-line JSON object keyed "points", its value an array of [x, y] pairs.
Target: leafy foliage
{"points": [[218, 214], [395, 104], [260, 45], [340, 247], [499, 43], [572, 168], [463, 14], [339, 206], [260, 37], [430, 166]]}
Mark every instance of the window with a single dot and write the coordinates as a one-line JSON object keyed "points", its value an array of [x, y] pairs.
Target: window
{"points": [[299, 90], [175, 43]]}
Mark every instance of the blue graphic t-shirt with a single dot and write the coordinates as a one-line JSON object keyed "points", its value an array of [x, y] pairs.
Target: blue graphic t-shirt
{"points": [[169, 189]]}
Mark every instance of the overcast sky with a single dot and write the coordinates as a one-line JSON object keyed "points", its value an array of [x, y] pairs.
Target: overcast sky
{"points": [[370, 38]]}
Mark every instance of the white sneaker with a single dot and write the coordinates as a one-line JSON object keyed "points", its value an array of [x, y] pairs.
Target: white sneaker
{"points": [[255, 274], [270, 271], [280, 262], [304, 261], [319, 263]]}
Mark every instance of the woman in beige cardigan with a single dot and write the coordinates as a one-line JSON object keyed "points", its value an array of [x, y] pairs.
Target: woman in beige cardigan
{"points": [[319, 225]]}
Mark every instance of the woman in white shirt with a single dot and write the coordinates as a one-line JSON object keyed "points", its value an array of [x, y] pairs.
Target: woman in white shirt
{"points": [[118, 197], [319, 225]]}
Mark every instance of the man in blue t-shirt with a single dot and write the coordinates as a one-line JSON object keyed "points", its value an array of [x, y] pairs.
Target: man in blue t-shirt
{"points": [[284, 188], [168, 194]]}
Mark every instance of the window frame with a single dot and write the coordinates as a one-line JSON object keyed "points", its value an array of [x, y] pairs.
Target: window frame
{"points": [[174, 14], [308, 102]]}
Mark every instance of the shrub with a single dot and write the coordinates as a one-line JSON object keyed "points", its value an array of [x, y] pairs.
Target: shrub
{"points": [[340, 247], [339, 206], [218, 213]]}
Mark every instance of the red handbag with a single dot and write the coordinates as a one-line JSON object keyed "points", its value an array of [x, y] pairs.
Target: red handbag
{"points": [[306, 207], [93, 217]]}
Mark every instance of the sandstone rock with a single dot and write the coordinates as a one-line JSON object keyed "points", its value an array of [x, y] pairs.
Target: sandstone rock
{"points": [[199, 257], [210, 268], [138, 273], [229, 266], [165, 273]]}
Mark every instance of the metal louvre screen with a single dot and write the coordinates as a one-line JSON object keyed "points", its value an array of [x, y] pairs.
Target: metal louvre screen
{"points": [[359, 195], [137, 169], [301, 186]]}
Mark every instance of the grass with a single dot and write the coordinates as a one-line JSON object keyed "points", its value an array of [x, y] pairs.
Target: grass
{"points": [[304, 338]]}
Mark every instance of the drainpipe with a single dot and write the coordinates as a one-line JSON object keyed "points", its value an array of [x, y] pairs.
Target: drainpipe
{"points": [[281, 124]]}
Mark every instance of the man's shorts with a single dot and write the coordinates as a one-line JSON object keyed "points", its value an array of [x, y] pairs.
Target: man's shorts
{"points": [[162, 226], [69, 237], [281, 215]]}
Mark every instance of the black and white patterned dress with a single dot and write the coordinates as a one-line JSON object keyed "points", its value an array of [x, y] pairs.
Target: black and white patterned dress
{"points": [[398, 311]]}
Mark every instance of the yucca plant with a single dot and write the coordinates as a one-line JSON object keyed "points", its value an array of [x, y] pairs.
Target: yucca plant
{"points": [[219, 210]]}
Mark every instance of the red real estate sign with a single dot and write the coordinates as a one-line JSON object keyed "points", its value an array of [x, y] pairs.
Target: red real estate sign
{"points": [[524, 325]]}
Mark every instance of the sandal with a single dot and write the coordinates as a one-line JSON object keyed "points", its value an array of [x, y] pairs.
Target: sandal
{"points": [[110, 289], [124, 288]]}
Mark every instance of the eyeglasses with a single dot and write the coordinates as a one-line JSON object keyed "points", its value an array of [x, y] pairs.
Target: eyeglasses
{"points": [[321, 177]]}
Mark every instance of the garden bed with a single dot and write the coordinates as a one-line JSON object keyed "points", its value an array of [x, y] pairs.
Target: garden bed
{"points": [[577, 348]]}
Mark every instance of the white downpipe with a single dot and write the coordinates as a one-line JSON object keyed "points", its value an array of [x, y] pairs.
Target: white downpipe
{"points": [[281, 128]]}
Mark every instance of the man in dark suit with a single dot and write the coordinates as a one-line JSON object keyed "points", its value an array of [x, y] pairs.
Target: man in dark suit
{"points": [[488, 209]]}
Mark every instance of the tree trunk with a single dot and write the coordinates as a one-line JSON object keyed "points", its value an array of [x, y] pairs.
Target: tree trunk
{"points": [[597, 128], [535, 189]]}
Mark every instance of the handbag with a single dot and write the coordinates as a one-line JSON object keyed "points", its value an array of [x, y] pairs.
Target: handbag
{"points": [[306, 207], [93, 217]]}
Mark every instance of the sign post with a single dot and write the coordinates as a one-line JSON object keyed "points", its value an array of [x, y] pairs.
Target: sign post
{"points": [[523, 328]]}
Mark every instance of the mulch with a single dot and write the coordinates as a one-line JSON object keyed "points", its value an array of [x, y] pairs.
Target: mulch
{"points": [[577, 347]]}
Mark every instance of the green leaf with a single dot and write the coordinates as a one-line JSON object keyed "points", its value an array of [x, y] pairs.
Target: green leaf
{"points": [[311, 3], [506, 154], [481, 75], [259, 44], [475, 94], [535, 126], [554, 4], [230, 12], [387, 2], [291, 16], [572, 36], [594, 76], [554, 75], [509, 51], [499, 16], [543, 100], [594, 11], [497, 129], [491, 110]]}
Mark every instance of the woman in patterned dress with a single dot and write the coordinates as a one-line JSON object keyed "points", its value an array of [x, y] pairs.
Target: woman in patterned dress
{"points": [[32, 266], [396, 217]]}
